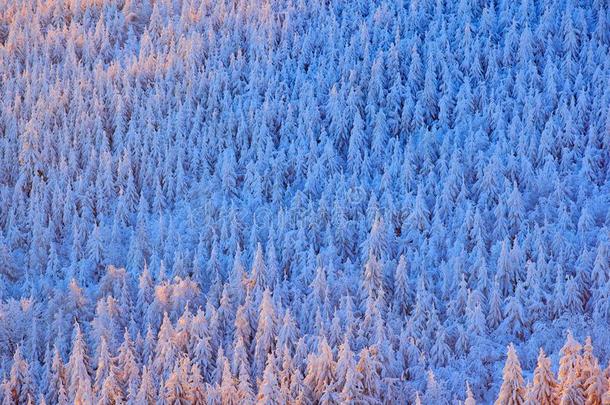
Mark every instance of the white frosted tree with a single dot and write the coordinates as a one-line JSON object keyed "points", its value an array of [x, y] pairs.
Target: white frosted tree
{"points": [[440, 352], [128, 369], [259, 270], [228, 386], [77, 370], [269, 390], [265, 333], [367, 367], [352, 391], [569, 363], [544, 388], [244, 387], [19, 388], [372, 278], [403, 295], [321, 369], [345, 363], [146, 392], [590, 374], [469, 396], [57, 384], [111, 392], [196, 385], [166, 351], [105, 364], [572, 392], [512, 391], [177, 390]]}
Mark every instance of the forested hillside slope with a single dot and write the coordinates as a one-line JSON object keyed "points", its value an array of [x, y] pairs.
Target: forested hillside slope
{"points": [[303, 201]]}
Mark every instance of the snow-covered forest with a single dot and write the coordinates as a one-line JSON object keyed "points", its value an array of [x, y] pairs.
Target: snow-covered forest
{"points": [[304, 201]]}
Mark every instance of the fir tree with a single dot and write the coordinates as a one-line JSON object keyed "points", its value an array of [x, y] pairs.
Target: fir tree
{"points": [[512, 390], [469, 396], [544, 388], [269, 389], [19, 388], [265, 333], [321, 369], [77, 370], [569, 364]]}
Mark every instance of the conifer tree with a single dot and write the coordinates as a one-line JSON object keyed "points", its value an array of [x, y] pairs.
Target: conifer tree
{"points": [[435, 391], [569, 363], [146, 392], [269, 389], [196, 385], [345, 364], [321, 369], [57, 385], [572, 390], [440, 351], [165, 350], [128, 370], [176, 388], [19, 388], [110, 393], [512, 391], [244, 387], [590, 375], [469, 396], [352, 392], [494, 315], [228, 388], [367, 367], [77, 370], [544, 388], [372, 279], [105, 367], [265, 332]]}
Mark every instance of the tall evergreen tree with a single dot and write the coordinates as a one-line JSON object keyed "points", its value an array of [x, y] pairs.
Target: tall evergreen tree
{"points": [[544, 388], [512, 391], [78, 369]]}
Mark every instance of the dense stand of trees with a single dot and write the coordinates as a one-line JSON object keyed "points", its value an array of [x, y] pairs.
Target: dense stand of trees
{"points": [[579, 380], [322, 201]]}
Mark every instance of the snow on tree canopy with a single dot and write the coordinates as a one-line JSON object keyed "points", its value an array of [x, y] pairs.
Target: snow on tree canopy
{"points": [[304, 202]]}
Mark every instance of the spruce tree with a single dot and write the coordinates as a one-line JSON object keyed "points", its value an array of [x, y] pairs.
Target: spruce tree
{"points": [[544, 388], [512, 391], [77, 369]]}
